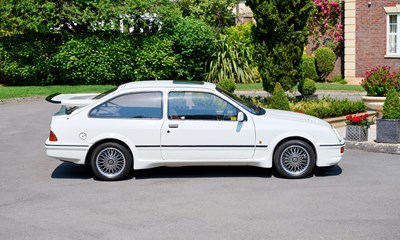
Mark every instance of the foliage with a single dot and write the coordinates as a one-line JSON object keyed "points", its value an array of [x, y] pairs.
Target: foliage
{"points": [[79, 16], [154, 58], [339, 79], [391, 107], [100, 58], [325, 24], [193, 46], [307, 87], [358, 120], [279, 100], [379, 80], [329, 107], [325, 60], [231, 61], [281, 34], [27, 59], [308, 67], [321, 108], [216, 13], [240, 33], [227, 84]]}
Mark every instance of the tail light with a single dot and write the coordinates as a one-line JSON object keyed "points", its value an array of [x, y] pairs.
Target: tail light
{"points": [[52, 137]]}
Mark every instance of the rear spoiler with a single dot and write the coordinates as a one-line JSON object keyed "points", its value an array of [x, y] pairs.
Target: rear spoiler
{"points": [[72, 100]]}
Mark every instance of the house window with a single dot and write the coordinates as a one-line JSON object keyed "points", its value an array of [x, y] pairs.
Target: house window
{"points": [[393, 47]]}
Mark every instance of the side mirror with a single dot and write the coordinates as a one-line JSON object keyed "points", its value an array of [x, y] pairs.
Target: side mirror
{"points": [[240, 117]]}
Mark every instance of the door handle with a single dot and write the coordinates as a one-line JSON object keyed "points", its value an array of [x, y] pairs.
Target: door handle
{"points": [[173, 125]]}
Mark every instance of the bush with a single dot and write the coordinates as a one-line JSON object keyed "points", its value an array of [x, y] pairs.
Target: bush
{"points": [[98, 58], [231, 61], [339, 79], [154, 58], [279, 100], [308, 67], [391, 107], [27, 59], [193, 46], [379, 80], [325, 60], [307, 87], [227, 84]]}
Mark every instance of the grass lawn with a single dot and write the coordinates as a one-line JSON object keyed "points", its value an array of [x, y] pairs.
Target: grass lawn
{"points": [[19, 92], [320, 86]]}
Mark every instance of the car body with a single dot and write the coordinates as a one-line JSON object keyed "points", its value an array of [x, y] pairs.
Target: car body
{"points": [[149, 124]]}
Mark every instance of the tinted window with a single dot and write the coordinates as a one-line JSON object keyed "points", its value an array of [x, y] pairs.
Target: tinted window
{"points": [[199, 106], [133, 105]]}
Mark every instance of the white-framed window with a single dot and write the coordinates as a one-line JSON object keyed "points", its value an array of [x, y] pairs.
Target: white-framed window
{"points": [[393, 34]]}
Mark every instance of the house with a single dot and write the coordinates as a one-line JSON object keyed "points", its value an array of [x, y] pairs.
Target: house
{"points": [[372, 36]]}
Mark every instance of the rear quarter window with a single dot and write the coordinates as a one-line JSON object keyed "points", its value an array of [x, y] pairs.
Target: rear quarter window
{"points": [[143, 105]]}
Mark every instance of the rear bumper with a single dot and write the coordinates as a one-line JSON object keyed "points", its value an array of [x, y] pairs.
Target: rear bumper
{"points": [[70, 153], [329, 155]]}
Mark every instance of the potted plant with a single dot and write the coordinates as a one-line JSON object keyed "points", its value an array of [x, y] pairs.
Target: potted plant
{"points": [[377, 82], [307, 89], [357, 127], [388, 127]]}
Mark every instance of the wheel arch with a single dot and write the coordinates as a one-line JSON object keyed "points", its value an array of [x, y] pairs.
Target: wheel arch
{"points": [[107, 140], [294, 138]]}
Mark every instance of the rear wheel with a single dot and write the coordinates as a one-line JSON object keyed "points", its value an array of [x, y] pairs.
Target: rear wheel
{"points": [[111, 161], [294, 159]]}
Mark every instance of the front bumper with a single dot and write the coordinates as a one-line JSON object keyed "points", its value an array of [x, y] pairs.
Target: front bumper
{"points": [[329, 154]]}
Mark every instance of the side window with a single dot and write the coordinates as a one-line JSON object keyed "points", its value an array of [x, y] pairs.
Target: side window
{"points": [[133, 105], [199, 106]]}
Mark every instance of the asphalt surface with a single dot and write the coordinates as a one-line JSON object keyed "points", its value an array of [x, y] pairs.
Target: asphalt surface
{"points": [[42, 198]]}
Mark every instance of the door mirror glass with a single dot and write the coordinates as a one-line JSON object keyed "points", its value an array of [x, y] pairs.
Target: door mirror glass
{"points": [[240, 117]]}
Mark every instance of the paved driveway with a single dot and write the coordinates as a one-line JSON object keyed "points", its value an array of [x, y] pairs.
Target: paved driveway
{"points": [[42, 198]]}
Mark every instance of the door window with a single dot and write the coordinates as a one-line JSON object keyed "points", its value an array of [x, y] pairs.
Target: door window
{"points": [[199, 106]]}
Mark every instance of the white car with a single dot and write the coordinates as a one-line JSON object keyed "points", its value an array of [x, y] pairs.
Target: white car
{"points": [[149, 124]]}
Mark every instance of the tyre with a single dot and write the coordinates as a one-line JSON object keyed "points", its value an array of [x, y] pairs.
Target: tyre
{"points": [[294, 159], [111, 161]]}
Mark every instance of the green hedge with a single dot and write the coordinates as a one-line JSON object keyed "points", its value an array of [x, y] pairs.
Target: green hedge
{"points": [[101, 58], [107, 57], [27, 59]]}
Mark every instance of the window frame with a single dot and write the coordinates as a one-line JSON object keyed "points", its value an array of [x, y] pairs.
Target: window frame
{"points": [[129, 118], [397, 34]]}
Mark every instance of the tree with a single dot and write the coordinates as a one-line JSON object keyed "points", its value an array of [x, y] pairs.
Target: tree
{"points": [[281, 34], [216, 13], [77, 16]]}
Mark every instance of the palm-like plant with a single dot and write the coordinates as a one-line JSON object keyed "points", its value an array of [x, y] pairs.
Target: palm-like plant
{"points": [[231, 61]]}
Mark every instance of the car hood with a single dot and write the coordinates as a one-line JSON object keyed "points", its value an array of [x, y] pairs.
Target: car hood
{"points": [[283, 116]]}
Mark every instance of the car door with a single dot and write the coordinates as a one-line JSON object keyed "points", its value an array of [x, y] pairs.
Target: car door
{"points": [[203, 126]]}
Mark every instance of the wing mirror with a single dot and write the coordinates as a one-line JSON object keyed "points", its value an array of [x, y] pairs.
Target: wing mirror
{"points": [[240, 117]]}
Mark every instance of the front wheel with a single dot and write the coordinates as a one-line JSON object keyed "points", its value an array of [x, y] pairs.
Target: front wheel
{"points": [[111, 161], [294, 159]]}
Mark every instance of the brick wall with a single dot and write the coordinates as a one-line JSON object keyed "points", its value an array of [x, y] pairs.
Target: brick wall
{"points": [[371, 35]]}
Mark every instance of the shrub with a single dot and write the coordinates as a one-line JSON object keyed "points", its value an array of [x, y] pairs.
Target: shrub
{"points": [[307, 87], [379, 80], [339, 79], [391, 107], [227, 84], [98, 58], [231, 61], [325, 60], [27, 59], [154, 58], [193, 46], [279, 100], [308, 67]]}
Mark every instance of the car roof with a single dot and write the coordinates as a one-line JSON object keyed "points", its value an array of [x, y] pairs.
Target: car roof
{"points": [[167, 84]]}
